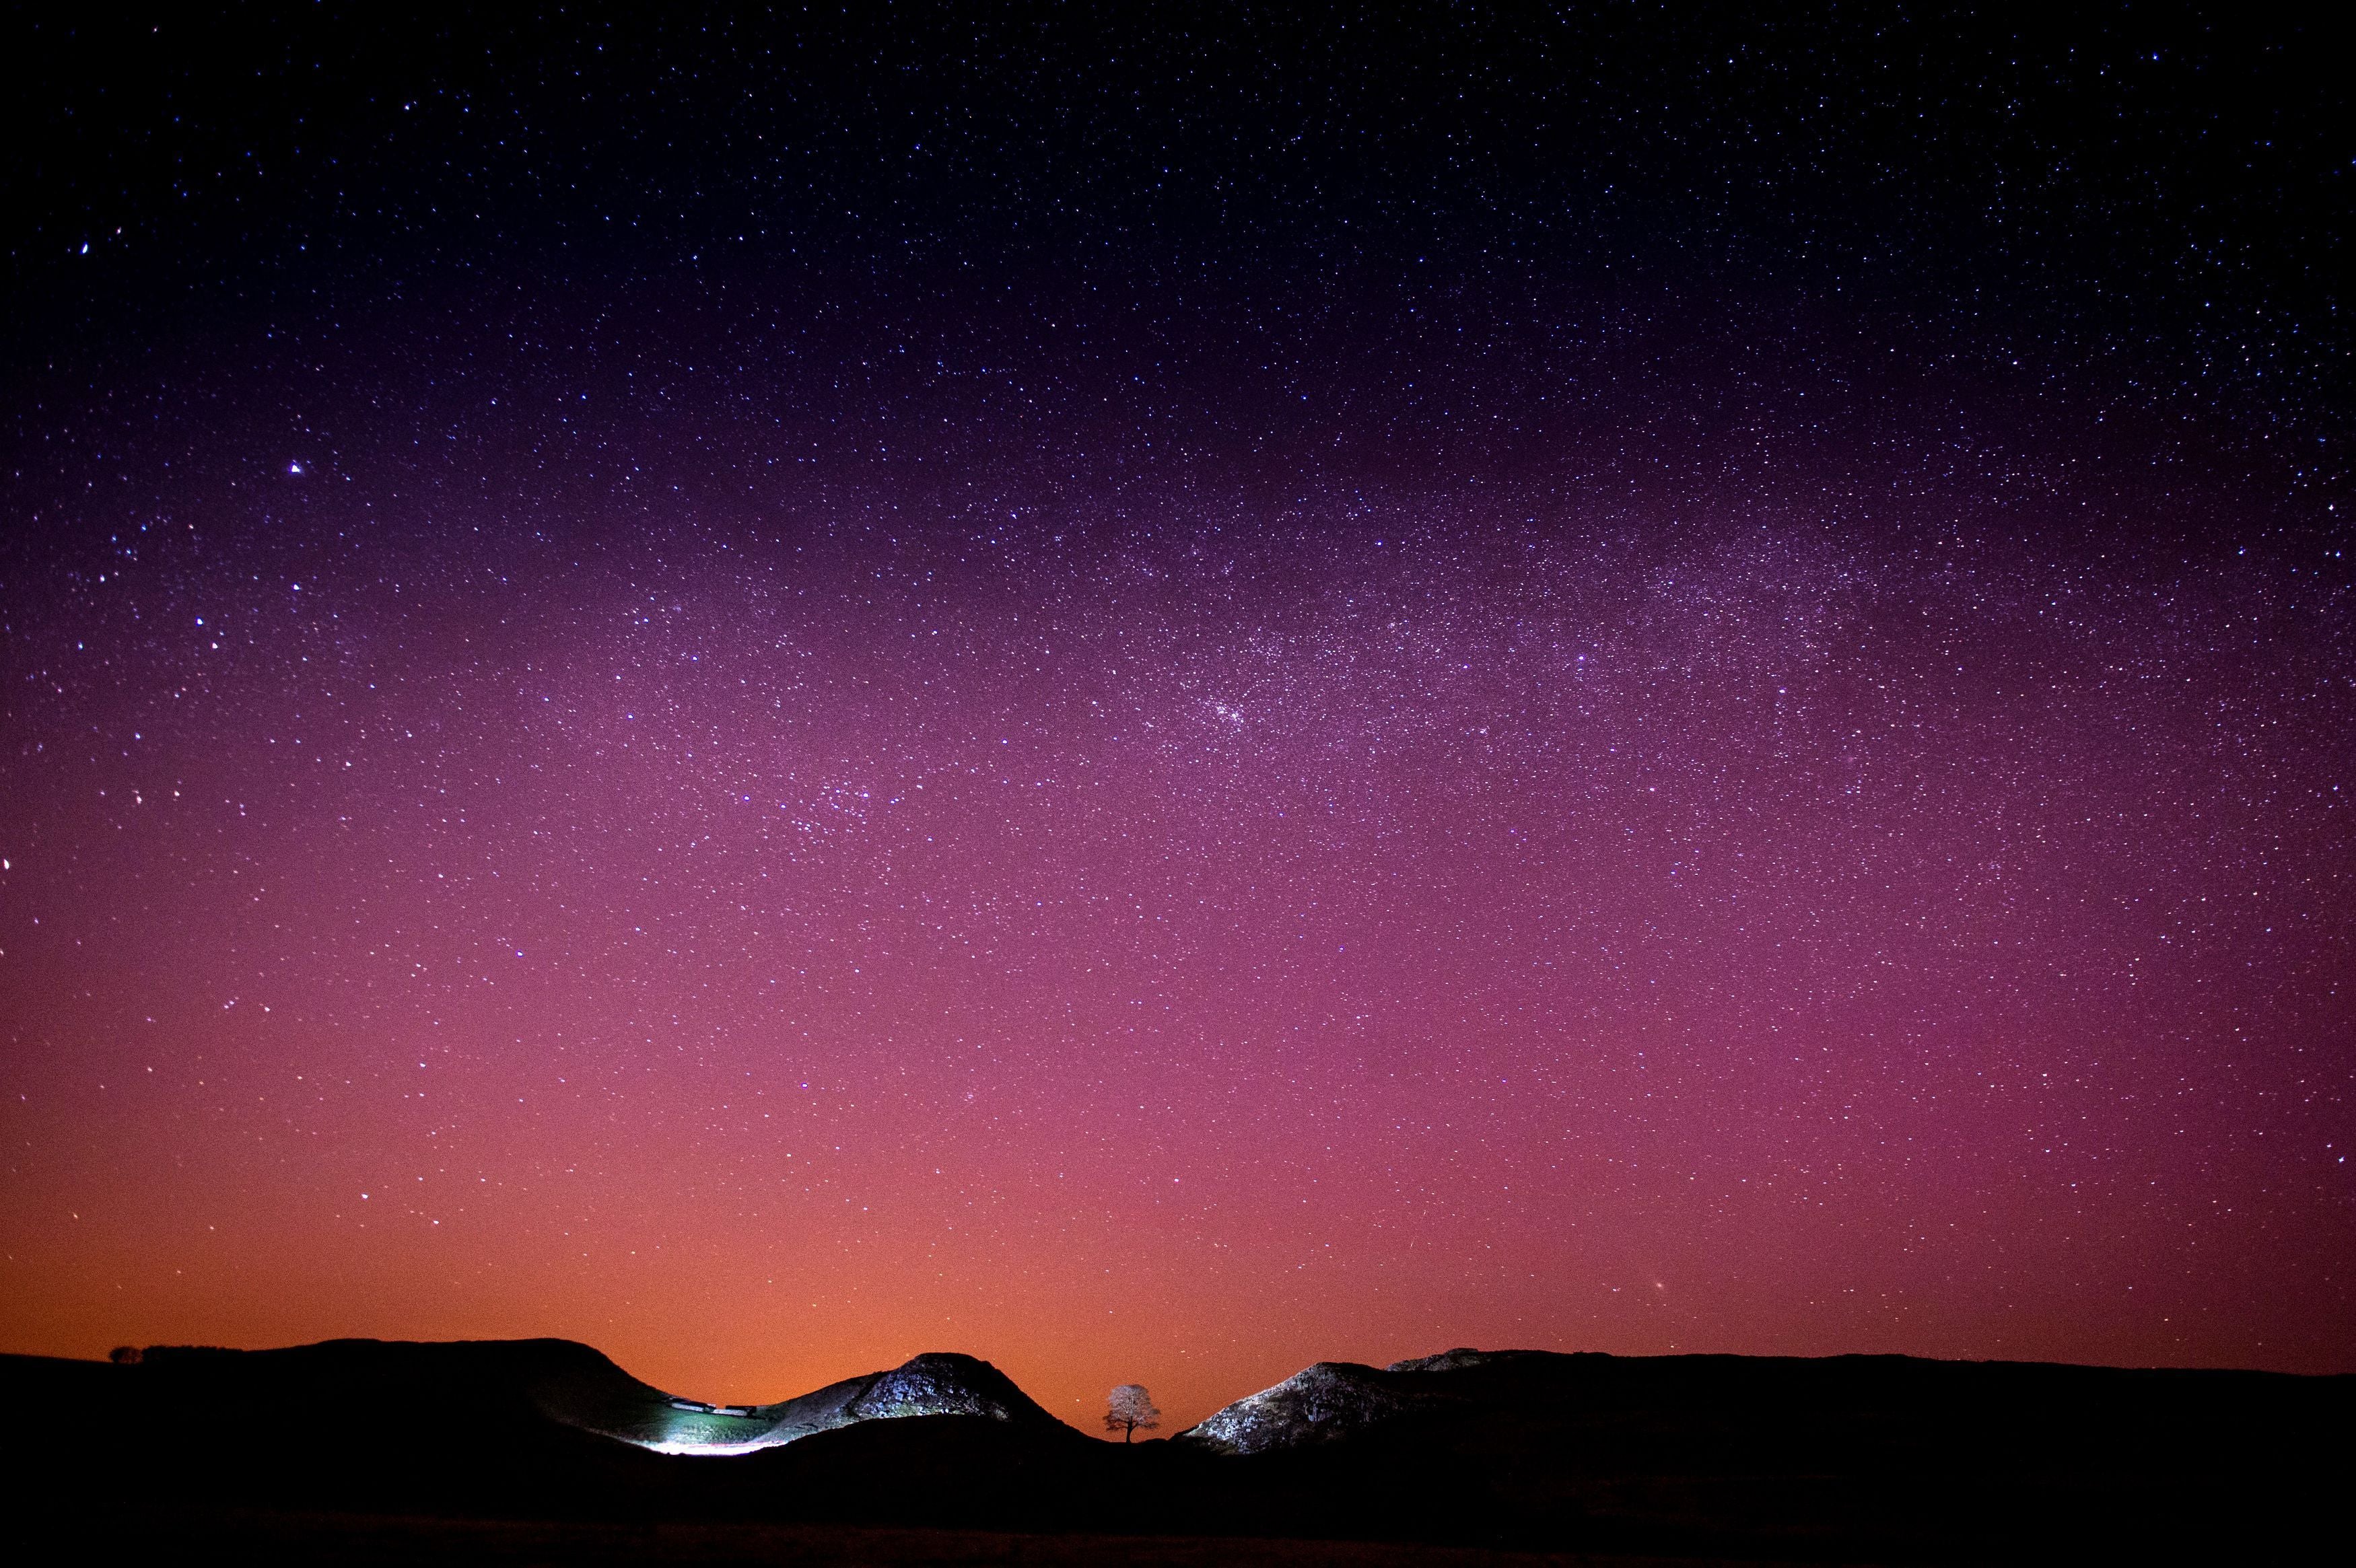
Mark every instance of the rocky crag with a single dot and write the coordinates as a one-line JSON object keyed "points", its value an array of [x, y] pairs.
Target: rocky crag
{"points": [[1334, 1400], [938, 1383]]}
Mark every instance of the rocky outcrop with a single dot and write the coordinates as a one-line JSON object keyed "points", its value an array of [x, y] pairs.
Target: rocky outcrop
{"points": [[1452, 1360], [1317, 1405], [1339, 1399], [938, 1383]]}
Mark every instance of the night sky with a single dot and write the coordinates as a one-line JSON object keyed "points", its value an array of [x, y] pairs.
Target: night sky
{"points": [[1160, 701]]}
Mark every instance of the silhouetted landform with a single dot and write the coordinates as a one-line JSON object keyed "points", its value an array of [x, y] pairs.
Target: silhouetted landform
{"points": [[1321, 1403], [227, 1455], [598, 1396]]}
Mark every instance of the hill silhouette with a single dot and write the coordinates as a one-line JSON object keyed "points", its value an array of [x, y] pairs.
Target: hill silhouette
{"points": [[1723, 1457], [600, 1397]]}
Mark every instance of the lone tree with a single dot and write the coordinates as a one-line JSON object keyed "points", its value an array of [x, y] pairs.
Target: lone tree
{"points": [[1129, 1407]]}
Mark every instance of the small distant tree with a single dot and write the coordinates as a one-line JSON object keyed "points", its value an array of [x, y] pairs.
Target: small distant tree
{"points": [[1129, 1409], [123, 1355]]}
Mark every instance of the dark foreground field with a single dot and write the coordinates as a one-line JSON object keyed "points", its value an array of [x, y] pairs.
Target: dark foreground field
{"points": [[356, 1452], [359, 1541]]}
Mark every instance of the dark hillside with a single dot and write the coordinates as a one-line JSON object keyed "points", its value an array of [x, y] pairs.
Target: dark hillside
{"points": [[1841, 1457], [358, 1424], [1843, 1460]]}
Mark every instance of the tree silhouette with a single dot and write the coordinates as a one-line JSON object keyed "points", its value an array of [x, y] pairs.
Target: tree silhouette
{"points": [[123, 1355], [1129, 1407]]}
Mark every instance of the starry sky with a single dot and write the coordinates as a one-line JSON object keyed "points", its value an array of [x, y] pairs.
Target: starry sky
{"points": [[1161, 700]]}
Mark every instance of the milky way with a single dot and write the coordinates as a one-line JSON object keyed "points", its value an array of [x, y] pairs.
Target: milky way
{"points": [[1163, 819]]}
